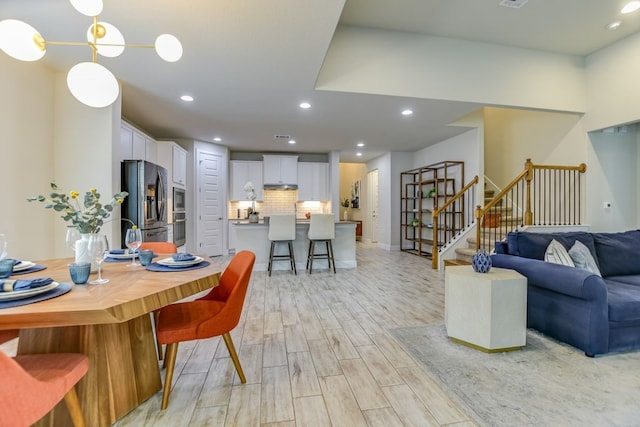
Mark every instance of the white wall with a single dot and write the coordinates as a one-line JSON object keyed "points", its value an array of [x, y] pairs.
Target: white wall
{"points": [[612, 177], [26, 120], [383, 62], [547, 138], [611, 81]]}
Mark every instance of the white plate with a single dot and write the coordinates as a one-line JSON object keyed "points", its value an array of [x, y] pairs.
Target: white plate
{"points": [[23, 266], [121, 256], [170, 262], [16, 295]]}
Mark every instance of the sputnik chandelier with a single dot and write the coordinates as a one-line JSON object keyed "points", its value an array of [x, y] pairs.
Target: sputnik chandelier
{"points": [[89, 82]]}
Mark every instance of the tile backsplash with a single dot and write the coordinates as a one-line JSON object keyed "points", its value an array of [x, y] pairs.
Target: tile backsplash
{"points": [[278, 202]]}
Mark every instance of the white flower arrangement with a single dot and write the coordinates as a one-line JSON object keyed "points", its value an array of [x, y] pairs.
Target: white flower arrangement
{"points": [[251, 195]]}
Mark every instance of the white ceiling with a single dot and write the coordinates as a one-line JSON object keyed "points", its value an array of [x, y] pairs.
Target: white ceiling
{"points": [[249, 63]]}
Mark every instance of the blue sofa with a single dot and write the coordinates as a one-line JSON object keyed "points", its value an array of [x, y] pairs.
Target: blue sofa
{"points": [[595, 314]]}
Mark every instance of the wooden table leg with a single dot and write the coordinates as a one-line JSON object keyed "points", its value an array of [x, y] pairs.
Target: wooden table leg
{"points": [[123, 367]]}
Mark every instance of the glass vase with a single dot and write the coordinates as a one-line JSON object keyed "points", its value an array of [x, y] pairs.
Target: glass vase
{"points": [[82, 251]]}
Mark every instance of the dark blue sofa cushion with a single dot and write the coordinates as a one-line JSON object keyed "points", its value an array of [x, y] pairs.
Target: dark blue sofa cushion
{"points": [[623, 301], [534, 245], [618, 253]]}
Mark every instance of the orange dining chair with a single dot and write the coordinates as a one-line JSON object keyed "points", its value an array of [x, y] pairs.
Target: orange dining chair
{"points": [[8, 334], [32, 384], [216, 313], [159, 248]]}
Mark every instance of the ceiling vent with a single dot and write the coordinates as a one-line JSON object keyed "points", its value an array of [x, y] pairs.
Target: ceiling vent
{"points": [[285, 137], [516, 4]]}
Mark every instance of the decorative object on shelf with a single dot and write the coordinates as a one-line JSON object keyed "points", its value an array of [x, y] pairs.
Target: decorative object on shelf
{"points": [[355, 195], [89, 82], [345, 205], [307, 215], [250, 190], [431, 193], [481, 261], [415, 222]]}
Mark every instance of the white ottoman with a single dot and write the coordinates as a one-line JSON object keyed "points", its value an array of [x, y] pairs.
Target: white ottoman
{"points": [[486, 311]]}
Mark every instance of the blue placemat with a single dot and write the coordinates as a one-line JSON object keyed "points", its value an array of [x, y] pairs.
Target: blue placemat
{"points": [[37, 267], [109, 259], [61, 289], [154, 266]]}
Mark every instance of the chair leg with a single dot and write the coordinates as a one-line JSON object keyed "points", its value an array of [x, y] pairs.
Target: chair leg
{"points": [[308, 255], [331, 259], [273, 244], [312, 255], [170, 362], [73, 405], [156, 316], [292, 258], [234, 357]]}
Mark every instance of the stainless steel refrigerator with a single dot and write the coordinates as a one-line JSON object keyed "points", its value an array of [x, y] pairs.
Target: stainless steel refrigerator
{"points": [[146, 204]]}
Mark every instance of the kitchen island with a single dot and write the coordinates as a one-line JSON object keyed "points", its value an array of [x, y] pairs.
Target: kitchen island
{"points": [[255, 237]]}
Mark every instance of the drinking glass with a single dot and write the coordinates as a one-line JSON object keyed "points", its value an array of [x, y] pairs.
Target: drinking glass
{"points": [[98, 250], [133, 240], [73, 235], [3, 247]]}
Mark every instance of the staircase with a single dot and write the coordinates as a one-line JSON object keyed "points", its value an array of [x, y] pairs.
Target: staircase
{"points": [[541, 195]]}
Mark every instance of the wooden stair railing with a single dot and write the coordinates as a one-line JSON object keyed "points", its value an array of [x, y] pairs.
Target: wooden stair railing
{"points": [[454, 216], [539, 195]]}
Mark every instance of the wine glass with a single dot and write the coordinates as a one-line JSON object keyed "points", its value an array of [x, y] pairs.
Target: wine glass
{"points": [[73, 235], [98, 250], [3, 246], [133, 240]]}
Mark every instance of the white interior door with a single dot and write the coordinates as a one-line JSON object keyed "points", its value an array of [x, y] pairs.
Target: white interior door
{"points": [[210, 204], [372, 196]]}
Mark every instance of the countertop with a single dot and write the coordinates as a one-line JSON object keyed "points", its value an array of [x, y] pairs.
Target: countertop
{"points": [[261, 222]]}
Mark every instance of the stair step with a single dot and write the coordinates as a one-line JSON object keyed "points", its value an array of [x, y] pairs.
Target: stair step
{"points": [[448, 262], [465, 254]]}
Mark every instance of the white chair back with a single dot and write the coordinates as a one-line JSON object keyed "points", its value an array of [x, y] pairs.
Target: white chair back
{"points": [[282, 227], [322, 227]]}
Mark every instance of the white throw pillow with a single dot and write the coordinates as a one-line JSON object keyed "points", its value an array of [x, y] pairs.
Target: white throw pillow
{"points": [[557, 254], [582, 258]]}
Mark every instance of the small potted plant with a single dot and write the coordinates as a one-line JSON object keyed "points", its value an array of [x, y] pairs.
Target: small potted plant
{"points": [[345, 205]]}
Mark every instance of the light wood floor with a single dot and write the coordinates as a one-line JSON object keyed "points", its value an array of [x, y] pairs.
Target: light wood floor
{"points": [[316, 352]]}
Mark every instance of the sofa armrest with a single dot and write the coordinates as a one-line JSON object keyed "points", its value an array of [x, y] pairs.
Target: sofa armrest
{"points": [[570, 281]]}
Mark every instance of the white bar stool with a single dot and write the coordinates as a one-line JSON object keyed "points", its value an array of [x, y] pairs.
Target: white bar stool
{"points": [[322, 228], [282, 229]]}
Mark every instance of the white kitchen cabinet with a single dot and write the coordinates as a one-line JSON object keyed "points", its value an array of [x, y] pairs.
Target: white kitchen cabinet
{"points": [[173, 157], [135, 145], [150, 150], [179, 165], [232, 238], [280, 169], [241, 172], [313, 181]]}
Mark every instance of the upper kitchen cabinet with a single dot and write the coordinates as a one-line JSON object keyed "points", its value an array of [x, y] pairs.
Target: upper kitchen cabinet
{"points": [[313, 181], [241, 172], [280, 170], [174, 158], [135, 145]]}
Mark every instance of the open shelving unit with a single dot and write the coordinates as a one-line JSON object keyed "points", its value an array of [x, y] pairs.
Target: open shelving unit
{"points": [[423, 190]]}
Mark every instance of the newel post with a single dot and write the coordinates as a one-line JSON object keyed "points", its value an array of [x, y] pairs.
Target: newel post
{"points": [[528, 214]]}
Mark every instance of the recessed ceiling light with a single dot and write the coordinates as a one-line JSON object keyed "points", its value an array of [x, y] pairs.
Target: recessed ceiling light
{"points": [[292, 141], [632, 6], [360, 144], [187, 98], [407, 112], [305, 105], [217, 139], [612, 26], [358, 154]]}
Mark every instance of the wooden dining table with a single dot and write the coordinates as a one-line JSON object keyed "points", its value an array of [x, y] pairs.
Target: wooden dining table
{"points": [[110, 323]]}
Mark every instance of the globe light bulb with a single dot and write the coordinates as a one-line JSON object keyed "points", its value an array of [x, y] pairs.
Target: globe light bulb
{"points": [[111, 36], [21, 41], [87, 7], [168, 47], [92, 84]]}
